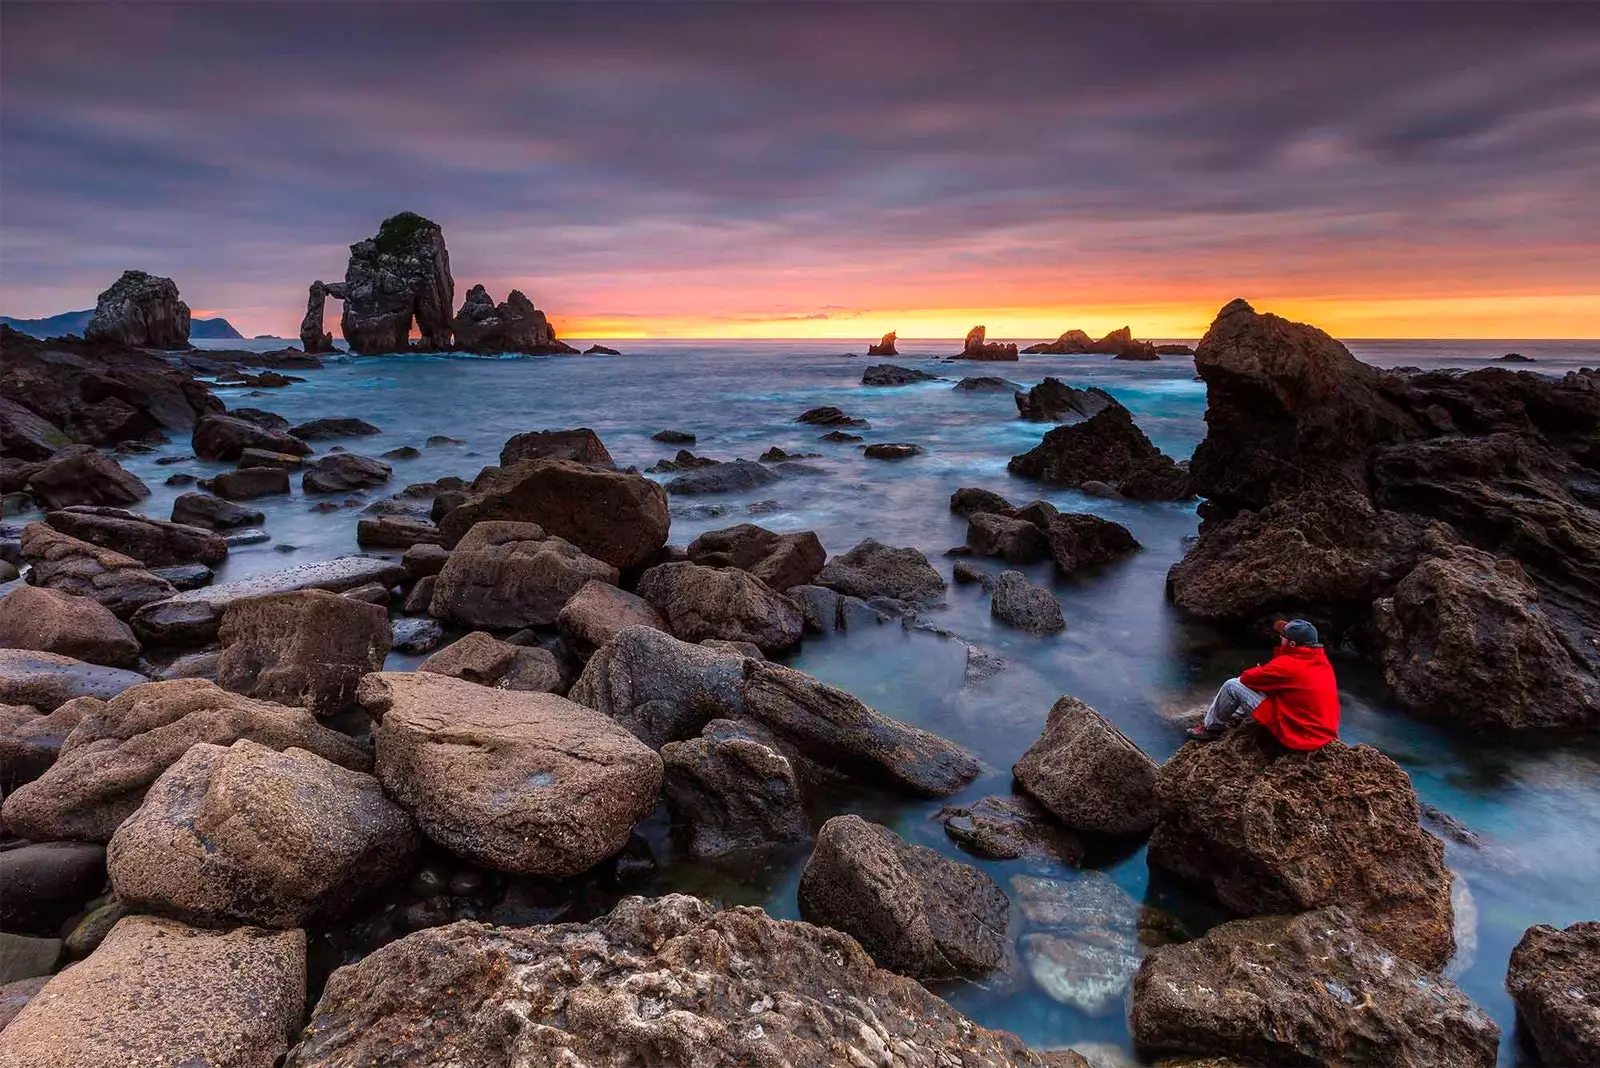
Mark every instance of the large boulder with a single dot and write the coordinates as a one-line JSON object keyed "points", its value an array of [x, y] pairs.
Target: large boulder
{"points": [[514, 325], [244, 834], [1052, 400], [158, 992], [45, 620], [47, 681], [153, 542], [83, 476], [30, 740], [1016, 541], [732, 789], [888, 374], [1555, 980], [599, 612], [658, 687], [971, 500], [616, 517], [482, 658], [724, 603], [225, 437], [1306, 989], [400, 275], [782, 561], [142, 310], [1089, 774], [506, 575], [1079, 541], [344, 472], [1266, 830], [213, 513], [521, 782], [247, 483], [581, 446], [307, 648], [725, 988], [1107, 447], [916, 912], [121, 747], [873, 569]]}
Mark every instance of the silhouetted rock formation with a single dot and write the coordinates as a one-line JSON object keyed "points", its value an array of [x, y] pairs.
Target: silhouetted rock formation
{"points": [[1053, 400], [312, 337], [514, 325], [141, 310], [401, 275], [976, 348], [1119, 343], [884, 347], [1109, 448]]}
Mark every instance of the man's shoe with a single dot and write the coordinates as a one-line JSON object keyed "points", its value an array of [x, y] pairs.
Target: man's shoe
{"points": [[1203, 733]]}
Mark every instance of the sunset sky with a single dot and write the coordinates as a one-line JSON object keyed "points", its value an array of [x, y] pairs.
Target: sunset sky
{"points": [[823, 170]]}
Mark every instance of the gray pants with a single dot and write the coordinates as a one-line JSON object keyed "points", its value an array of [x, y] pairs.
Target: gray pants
{"points": [[1234, 698]]}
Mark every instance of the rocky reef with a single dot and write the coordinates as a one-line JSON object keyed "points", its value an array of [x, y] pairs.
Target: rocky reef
{"points": [[1119, 343], [977, 348], [141, 310]]}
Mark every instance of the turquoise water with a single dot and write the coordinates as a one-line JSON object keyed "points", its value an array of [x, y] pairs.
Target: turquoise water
{"points": [[1125, 651]]}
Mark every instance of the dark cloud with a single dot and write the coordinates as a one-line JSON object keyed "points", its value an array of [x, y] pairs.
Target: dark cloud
{"points": [[594, 149]]}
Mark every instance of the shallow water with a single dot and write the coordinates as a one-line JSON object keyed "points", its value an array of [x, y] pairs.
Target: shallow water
{"points": [[1125, 651]]}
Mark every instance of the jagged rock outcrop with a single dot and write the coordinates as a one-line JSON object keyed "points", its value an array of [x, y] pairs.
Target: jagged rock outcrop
{"points": [[730, 987], [580, 446], [976, 348], [1079, 541], [884, 347], [1019, 603], [873, 569], [1119, 343], [514, 325], [1053, 400], [79, 475], [225, 437], [312, 337], [1110, 448], [399, 276], [1555, 980], [141, 310]]}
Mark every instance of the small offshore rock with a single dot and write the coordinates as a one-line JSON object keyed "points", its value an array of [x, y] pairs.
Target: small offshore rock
{"points": [[213, 513], [892, 451], [1021, 604]]}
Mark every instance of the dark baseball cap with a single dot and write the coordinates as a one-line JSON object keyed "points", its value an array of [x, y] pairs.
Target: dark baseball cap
{"points": [[1301, 632]]}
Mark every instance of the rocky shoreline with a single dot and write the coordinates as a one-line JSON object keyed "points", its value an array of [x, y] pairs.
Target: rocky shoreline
{"points": [[198, 775]]}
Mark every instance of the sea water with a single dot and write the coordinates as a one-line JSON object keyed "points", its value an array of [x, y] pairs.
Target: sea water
{"points": [[1536, 809]]}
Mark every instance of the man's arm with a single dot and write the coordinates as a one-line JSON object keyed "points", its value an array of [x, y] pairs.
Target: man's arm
{"points": [[1265, 678]]}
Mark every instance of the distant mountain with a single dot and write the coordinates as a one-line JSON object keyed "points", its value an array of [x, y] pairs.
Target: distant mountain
{"points": [[76, 322]]}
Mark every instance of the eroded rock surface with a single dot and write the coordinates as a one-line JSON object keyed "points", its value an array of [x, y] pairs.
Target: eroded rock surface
{"points": [[307, 648], [505, 575], [732, 788], [724, 603], [142, 310], [1555, 980], [1088, 774]]}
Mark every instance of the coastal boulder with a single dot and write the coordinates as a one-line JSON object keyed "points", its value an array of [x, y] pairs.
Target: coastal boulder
{"points": [[395, 532], [1078, 541], [729, 987], [1021, 604], [80, 569], [213, 513], [1107, 447], [1267, 830], [82, 476], [121, 747], [343, 472], [915, 912], [1088, 774], [225, 437], [1052, 400], [828, 415], [658, 687], [782, 561], [30, 741], [734, 476], [873, 569], [727, 603], [141, 310], [1010, 827], [399, 276], [733, 789], [247, 483], [1306, 989], [581, 446], [970, 500], [505, 575], [599, 612], [158, 992], [307, 648], [888, 374], [616, 517], [482, 658], [153, 542], [344, 426], [244, 834], [1016, 541], [1555, 980], [47, 681], [521, 782], [45, 620]]}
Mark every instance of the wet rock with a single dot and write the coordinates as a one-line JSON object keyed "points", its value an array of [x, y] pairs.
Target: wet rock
{"points": [[506, 575], [1053, 400], [141, 310], [84, 477], [436, 441], [1083, 946], [399, 275], [733, 789], [225, 437], [1294, 985], [45, 620], [47, 681], [415, 635], [987, 384], [1088, 774], [829, 416], [193, 617], [27, 435], [808, 996], [781, 561], [30, 742], [1016, 541], [481, 658], [1119, 344], [885, 347], [307, 648], [1018, 602], [892, 451], [423, 558], [616, 517], [1011, 827], [599, 612], [888, 374], [157, 992], [970, 500], [873, 569], [601, 350], [244, 834], [580, 446], [342, 472], [673, 437], [683, 461], [1108, 448], [118, 749], [1555, 980], [154, 542], [1267, 830], [522, 782], [915, 912], [395, 532], [658, 687], [213, 513], [977, 348], [263, 458], [43, 884], [340, 427], [260, 417], [247, 483], [735, 476], [1079, 541], [22, 957], [727, 603], [840, 437], [513, 325]]}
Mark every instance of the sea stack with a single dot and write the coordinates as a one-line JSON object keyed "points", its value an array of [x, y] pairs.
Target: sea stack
{"points": [[884, 347], [143, 311], [514, 325], [976, 348], [401, 275]]}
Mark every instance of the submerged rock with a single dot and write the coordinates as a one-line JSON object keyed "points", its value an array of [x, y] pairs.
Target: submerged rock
{"points": [[1009, 828], [892, 451], [828, 415], [733, 789], [141, 310], [308, 648], [1088, 774], [916, 912], [1555, 980], [734, 476], [1083, 942], [888, 374], [335, 427]]}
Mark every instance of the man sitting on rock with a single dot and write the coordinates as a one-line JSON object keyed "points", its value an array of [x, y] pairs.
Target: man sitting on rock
{"points": [[1293, 695]]}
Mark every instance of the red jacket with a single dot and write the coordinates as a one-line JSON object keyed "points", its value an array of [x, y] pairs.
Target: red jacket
{"points": [[1302, 705]]}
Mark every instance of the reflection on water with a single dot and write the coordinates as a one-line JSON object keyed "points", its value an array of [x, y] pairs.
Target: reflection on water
{"points": [[1125, 652]]}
